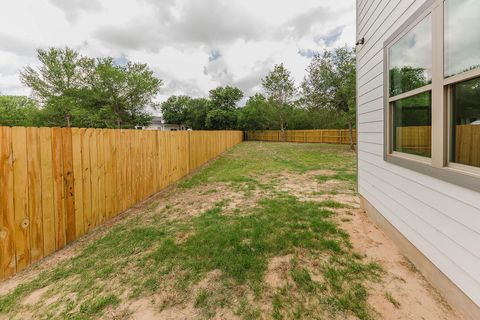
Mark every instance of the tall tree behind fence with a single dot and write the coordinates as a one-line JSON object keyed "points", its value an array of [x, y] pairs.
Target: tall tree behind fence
{"points": [[337, 136], [57, 184]]}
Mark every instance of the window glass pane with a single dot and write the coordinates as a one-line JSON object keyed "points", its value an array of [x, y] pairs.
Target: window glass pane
{"points": [[462, 36], [410, 59], [466, 123], [412, 125]]}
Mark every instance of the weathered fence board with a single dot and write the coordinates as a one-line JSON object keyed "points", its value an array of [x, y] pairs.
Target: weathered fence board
{"points": [[60, 183], [334, 136]]}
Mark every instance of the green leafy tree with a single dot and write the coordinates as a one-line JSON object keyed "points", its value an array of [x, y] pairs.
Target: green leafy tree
{"points": [[174, 110], [18, 111], [218, 119], [280, 89], [406, 79], [123, 93], [466, 96], [222, 113], [330, 83], [196, 113], [58, 80], [256, 114], [81, 91], [225, 98]]}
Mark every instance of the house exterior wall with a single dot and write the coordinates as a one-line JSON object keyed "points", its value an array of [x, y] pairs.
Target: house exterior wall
{"points": [[440, 219]]}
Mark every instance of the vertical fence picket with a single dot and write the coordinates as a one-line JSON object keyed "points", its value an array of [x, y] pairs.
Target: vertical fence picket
{"points": [[58, 188], [48, 195], [86, 142], [77, 156], [7, 215], [20, 197], [94, 179], [69, 188], [34, 194]]}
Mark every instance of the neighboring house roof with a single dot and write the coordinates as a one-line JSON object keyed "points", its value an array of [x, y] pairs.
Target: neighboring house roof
{"points": [[156, 121]]}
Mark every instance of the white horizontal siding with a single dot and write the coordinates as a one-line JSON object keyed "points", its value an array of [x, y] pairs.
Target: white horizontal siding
{"points": [[370, 116], [374, 95], [370, 127], [374, 74], [441, 219], [372, 78]]}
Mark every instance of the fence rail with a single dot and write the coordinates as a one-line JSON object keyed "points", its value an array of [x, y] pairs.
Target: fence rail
{"points": [[57, 184], [337, 136]]}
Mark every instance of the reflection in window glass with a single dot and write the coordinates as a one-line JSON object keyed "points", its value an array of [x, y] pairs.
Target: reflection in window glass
{"points": [[466, 123], [410, 59], [412, 125], [462, 36]]}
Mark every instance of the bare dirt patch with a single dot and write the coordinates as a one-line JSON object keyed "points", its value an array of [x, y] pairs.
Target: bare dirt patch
{"points": [[403, 293], [306, 187], [180, 204], [277, 275], [144, 309], [35, 296]]}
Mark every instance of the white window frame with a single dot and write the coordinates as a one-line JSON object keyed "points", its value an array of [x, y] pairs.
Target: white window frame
{"points": [[439, 165]]}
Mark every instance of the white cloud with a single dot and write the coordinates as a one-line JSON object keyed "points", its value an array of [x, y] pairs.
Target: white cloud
{"points": [[193, 45], [73, 8]]}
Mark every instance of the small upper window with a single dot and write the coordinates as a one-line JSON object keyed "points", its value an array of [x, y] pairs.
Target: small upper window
{"points": [[410, 59], [462, 36]]}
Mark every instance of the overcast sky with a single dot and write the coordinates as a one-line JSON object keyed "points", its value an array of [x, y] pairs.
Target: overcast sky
{"points": [[192, 45]]}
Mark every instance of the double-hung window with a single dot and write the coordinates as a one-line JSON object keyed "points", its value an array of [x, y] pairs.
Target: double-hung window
{"points": [[432, 92]]}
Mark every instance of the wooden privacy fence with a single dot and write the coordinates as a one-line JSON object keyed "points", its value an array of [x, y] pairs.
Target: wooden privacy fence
{"points": [[419, 140], [337, 136], [467, 147], [416, 140], [56, 184]]}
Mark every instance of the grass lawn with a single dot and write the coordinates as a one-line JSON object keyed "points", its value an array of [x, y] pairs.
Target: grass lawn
{"points": [[256, 234]]}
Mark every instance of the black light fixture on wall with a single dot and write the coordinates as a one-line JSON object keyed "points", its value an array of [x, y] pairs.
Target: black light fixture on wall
{"points": [[359, 42]]}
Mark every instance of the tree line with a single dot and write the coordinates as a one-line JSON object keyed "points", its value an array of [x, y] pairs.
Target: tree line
{"points": [[69, 89], [325, 99]]}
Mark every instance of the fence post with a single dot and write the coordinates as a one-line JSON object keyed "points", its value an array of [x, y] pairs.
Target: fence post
{"points": [[341, 140]]}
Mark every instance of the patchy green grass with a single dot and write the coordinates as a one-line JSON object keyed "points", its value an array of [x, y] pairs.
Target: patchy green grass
{"points": [[341, 175], [334, 204], [244, 163], [143, 257]]}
